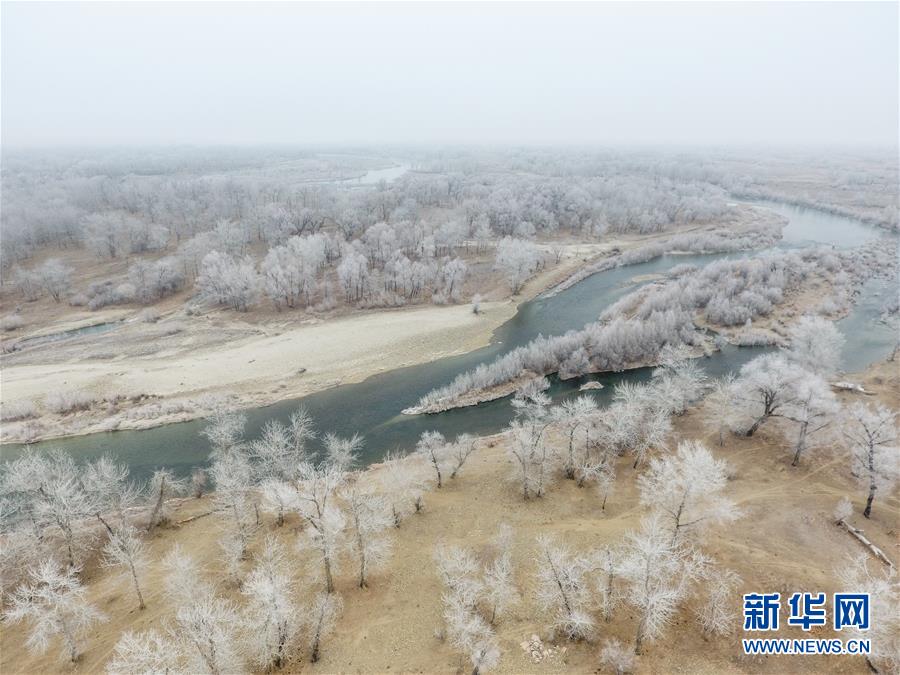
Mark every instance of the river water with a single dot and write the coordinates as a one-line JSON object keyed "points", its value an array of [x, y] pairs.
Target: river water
{"points": [[372, 408]]}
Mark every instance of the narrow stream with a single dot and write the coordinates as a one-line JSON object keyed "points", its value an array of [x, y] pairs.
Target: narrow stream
{"points": [[372, 408]]}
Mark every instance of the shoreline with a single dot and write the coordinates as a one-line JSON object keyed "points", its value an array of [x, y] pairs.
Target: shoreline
{"points": [[352, 349], [281, 361]]}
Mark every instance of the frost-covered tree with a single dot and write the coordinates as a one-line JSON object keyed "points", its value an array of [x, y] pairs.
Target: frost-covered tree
{"points": [[233, 479], [224, 280], [206, 626], [678, 381], [126, 552], [499, 585], [318, 619], [718, 615], [107, 484], [432, 447], [572, 415], [49, 491], [343, 453], [658, 573], [317, 507], [815, 345], [56, 604], [564, 590], [532, 456], [870, 433], [148, 652], [403, 481], [278, 497], [765, 386], [369, 518], [271, 612], [353, 274], [617, 657], [810, 413], [470, 634], [608, 562], [163, 486], [688, 489], [719, 410], [55, 277], [517, 259], [224, 430], [883, 587]]}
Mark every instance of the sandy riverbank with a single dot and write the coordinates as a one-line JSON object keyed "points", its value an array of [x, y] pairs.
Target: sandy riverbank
{"points": [[181, 372]]}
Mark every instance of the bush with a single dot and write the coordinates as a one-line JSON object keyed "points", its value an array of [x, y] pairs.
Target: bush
{"points": [[63, 402], [17, 410], [149, 315], [78, 300], [11, 322]]}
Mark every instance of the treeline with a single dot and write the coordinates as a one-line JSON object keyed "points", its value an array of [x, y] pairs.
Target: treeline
{"points": [[284, 215]]}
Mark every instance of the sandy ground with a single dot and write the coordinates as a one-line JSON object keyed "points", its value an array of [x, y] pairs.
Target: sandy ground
{"points": [[786, 541]]}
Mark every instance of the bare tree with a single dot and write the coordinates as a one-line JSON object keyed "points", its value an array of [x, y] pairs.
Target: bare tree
{"points": [[433, 448], [870, 433], [56, 604], [688, 488], [460, 449]]}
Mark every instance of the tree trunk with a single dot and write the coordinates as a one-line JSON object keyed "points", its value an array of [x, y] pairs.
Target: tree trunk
{"points": [[871, 498], [639, 638], [329, 581], [137, 587], [801, 443]]}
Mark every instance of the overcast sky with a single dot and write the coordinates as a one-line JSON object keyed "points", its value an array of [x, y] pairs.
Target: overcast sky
{"points": [[805, 73]]}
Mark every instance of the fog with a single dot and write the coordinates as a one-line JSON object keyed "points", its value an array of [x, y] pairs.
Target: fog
{"points": [[108, 73]]}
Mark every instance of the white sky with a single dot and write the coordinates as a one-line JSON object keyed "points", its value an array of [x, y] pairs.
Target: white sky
{"points": [[807, 73]]}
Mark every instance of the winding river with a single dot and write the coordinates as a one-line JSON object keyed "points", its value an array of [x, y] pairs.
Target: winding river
{"points": [[372, 408]]}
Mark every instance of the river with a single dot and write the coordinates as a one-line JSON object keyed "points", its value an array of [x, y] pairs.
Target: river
{"points": [[372, 408]]}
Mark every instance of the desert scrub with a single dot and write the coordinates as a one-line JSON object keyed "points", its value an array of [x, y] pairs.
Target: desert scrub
{"points": [[64, 402]]}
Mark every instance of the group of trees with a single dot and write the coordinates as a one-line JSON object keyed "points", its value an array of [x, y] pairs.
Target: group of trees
{"points": [[633, 331], [240, 238], [56, 511]]}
